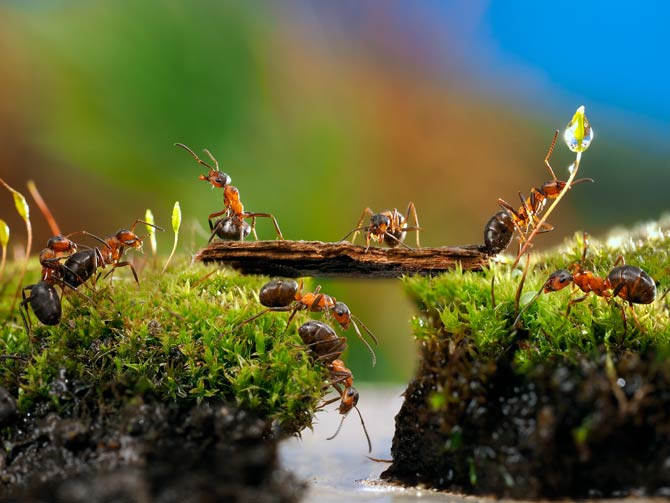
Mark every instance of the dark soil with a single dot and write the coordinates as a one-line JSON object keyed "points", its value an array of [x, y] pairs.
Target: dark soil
{"points": [[561, 430], [147, 452]]}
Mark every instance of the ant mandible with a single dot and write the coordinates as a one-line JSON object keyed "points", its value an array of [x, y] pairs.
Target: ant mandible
{"points": [[233, 206], [287, 296], [388, 227], [628, 282], [531, 207]]}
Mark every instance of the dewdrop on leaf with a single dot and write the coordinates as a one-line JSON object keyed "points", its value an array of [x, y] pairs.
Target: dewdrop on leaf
{"points": [[578, 133]]}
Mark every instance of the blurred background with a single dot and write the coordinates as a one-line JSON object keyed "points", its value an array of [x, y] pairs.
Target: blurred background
{"points": [[317, 109]]}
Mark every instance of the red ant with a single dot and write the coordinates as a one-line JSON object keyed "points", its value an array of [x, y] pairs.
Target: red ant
{"points": [[628, 282], [287, 296], [388, 227], [526, 216], [326, 346], [80, 266], [233, 206]]}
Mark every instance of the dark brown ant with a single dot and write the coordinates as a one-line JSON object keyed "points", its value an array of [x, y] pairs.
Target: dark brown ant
{"points": [[628, 282], [278, 295], [531, 207], [388, 227], [233, 206]]}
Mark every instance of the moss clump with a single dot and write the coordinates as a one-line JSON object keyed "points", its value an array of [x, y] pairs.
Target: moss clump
{"points": [[562, 406], [173, 341]]}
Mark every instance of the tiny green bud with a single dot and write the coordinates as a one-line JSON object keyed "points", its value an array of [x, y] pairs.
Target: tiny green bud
{"points": [[4, 233], [149, 218], [176, 217], [578, 133]]}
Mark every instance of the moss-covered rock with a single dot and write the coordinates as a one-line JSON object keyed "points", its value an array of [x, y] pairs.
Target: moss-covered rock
{"points": [[169, 347], [555, 406]]}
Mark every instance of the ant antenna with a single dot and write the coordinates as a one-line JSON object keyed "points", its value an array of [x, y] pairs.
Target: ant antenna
{"points": [[365, 430], [216, 163], [195, 156]]}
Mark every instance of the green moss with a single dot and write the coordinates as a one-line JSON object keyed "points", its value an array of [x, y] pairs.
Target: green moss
{"points": [[482, 306], [176, 337]]}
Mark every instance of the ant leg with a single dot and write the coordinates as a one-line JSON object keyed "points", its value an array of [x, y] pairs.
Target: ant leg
{"points": [[98, 238], [124, 264], [386, 234], [267, 310], [215, 215], [23, 306], [366, 212], [411, 208], [516, 218], [619, 261], [551, 149], [267, 215], [573, 302]]}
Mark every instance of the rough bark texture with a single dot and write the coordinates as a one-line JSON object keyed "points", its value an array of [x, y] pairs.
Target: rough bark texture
{"points": [[294, 259]]}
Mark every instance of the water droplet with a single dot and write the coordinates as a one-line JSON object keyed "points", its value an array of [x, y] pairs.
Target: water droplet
{"points": [[578, 133], [621, 382]]}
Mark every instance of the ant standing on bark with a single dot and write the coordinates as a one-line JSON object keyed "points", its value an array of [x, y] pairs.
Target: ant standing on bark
{"points": [[388, 227], [628, 282], [232, 226]]}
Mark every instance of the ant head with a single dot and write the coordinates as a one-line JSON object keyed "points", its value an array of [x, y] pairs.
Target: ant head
{"points": [[349, 400], [342, 314], [552, 188], [379, 223], [128, 238], [60, 243], [558, 280], [218, 179]]}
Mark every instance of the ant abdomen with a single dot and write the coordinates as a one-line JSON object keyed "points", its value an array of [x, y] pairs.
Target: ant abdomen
{"points": [[278, 292], [632, 284], [45, 303], [498, 232]]}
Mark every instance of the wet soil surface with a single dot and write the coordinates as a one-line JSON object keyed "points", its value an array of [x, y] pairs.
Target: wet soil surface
{"points": [[147, 452], [587, 428]]}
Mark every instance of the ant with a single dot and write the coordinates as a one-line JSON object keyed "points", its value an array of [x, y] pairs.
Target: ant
{"points": [[327, 347], [80, 266], [526, 216], [388, 227], [282, 296], [628, 282], [233, 206]]}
